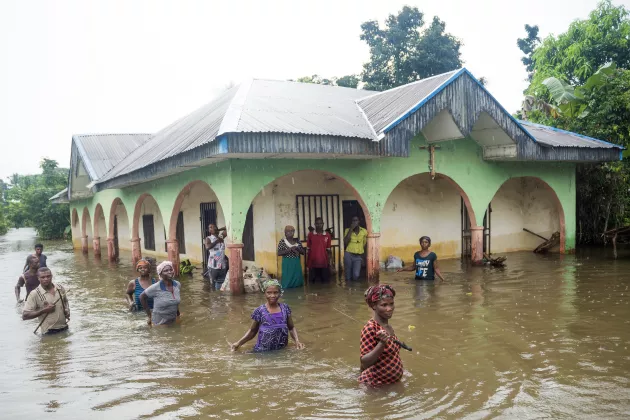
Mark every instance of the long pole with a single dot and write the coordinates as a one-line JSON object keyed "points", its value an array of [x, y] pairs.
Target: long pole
{"points": [[400, 343], [45, 316]]}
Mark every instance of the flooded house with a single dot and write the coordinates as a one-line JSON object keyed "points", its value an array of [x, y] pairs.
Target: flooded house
{"points": [[438, 157]]}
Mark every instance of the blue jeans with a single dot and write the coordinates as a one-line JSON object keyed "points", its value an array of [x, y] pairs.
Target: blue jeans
{"points": [[217, 276], [352, 265]]}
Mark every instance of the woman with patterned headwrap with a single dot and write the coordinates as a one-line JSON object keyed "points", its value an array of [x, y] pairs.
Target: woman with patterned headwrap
{"points": [[380, 355], [165, 295], [425, 262], [271, 321], [137, 286], [290, 250]]}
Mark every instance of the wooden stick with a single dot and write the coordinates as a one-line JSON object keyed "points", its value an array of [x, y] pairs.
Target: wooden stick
{"points": [[45, 316], [535, 234]]}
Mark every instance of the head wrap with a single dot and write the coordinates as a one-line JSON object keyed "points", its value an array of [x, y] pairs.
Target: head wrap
{"points": [[427, 238], [142, 263], [163, 265], [271, 282], [375, 293]]}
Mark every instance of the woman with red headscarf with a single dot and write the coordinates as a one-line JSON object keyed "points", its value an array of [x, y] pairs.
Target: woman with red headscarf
{"points": [[380, 355], [137, 286]]}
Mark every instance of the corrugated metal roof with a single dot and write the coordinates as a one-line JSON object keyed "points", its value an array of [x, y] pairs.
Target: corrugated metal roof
{"points": [[303, 108], [383, 108], [101, 152], [187, 133], [60, 197], [561, 138]]}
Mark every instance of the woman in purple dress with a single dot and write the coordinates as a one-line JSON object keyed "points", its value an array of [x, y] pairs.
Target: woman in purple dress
{"points": [[272, 322]]}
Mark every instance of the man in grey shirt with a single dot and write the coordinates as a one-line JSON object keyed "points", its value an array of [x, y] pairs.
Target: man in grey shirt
{"points": [[39, 248]]}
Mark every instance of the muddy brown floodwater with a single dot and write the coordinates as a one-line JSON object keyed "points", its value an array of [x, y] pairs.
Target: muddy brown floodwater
{"points": [[546, 337]]}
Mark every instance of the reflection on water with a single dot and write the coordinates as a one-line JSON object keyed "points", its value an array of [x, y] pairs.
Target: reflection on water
{"points": [[544, 337]]}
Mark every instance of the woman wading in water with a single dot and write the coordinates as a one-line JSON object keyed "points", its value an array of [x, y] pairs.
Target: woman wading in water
{"points": [[137, 286], [425, 262], [290, 250], [272, 322], [165, 295], [380, 358]]}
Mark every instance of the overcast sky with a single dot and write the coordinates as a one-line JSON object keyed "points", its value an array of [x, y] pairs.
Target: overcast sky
{"points": [[73, 67]]}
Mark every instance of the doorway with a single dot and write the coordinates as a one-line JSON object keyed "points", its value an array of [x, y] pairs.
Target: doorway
{"points": [[116, 248], [249, 253], [207, 216]]}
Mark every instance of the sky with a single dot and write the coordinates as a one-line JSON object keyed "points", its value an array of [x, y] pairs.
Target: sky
{"points": [[132, 66]]}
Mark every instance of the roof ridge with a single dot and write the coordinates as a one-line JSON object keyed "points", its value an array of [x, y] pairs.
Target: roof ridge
{"points": [[410, 84], [232, 116]]}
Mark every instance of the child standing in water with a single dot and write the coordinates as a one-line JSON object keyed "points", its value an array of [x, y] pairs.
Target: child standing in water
{"points": [[272, 322], [380, 358], [425, 262]]}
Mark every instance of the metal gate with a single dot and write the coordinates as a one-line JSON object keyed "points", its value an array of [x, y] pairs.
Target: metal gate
{"points": [[466, 236], [308, 208], [207, 216]]}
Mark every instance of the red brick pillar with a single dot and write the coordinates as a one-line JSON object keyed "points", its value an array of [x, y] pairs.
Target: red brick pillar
{"points": [[172, 249], [373, 257], [476, 242], [136, 250], [111, 250], [96, 246], [236, 268], [84, 244]]}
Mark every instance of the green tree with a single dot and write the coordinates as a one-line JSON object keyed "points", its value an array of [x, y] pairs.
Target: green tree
{"points": [[350, 81], [27, 201], [586, 46], [528, 45], [581, 83], [401, 53]]}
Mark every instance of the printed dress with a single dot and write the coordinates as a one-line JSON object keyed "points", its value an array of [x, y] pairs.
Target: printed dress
{"points": [[292, 275], [388, 368], [273, 332]]}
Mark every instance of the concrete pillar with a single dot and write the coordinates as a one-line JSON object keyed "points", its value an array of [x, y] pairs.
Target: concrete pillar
{"points": [[172, 249], [373, 257], [96, 246], [111, 250], [236, 268], [136, 251], [476, 242], [84, 244]]}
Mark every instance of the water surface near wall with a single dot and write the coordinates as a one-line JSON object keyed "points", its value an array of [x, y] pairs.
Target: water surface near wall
{"points": [[544, 337]]}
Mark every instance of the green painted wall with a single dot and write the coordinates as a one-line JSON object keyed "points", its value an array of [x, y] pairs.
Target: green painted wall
{"points": [[237, 182]]}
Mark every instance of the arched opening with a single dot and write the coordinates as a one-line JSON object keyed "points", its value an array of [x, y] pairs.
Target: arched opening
{"points": [[148, 225], [100, 229], [196, 207], [421, 206], [296, 199], [86, 227], [76, 229], [525, 203], [119, 229]]}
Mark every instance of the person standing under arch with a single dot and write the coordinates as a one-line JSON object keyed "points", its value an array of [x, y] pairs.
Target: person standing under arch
{"points": [[425, 262], [354, 241], [319, 245]]}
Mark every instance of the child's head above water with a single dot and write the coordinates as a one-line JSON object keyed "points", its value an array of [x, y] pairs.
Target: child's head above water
{"points": [[381, 299]]}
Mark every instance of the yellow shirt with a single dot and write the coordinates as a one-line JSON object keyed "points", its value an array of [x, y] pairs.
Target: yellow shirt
{"points": [[357, 241]]}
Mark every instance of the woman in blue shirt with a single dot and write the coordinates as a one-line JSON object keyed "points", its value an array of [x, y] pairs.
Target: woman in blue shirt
{"points": [[425, 262]]}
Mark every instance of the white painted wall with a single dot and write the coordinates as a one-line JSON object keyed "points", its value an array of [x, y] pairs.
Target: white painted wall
{"points": [[420, 206], [149, 206], [198, 194], [76, 230], [522, 203], [124, 229], [88, 230], [274, 208], [102, 231]]}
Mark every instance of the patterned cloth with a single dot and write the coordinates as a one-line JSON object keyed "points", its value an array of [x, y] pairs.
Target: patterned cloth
{"points": [[388, 368], [283, 246], [273, 332], [216, 255]]}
